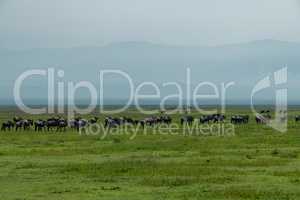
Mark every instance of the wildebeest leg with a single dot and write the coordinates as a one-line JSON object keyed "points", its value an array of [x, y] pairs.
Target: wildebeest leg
{"points": [[142, 124]]}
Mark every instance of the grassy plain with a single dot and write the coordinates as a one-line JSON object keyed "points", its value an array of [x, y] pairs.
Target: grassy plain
{"points": [[256, 163]]}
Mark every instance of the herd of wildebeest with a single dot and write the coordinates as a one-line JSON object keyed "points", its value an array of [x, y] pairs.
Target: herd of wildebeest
{"points": [[61, 124]]}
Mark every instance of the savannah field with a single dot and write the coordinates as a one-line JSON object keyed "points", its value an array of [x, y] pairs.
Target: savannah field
{"points": [[255, 163]]}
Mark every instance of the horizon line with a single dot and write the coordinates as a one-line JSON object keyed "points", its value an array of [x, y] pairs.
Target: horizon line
{"points": [[162, 44]]}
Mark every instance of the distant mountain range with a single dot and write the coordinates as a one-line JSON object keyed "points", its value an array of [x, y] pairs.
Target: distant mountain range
{"points": [[244, 64]]}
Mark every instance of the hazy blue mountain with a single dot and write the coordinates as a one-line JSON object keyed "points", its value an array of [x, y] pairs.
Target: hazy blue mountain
{"points": [[244, 64]]}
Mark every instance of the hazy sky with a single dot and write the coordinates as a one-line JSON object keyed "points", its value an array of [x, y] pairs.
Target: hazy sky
{"points": [[67, 23]]}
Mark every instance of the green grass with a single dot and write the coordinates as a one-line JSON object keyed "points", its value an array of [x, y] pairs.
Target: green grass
{"points": [[256, 163]]}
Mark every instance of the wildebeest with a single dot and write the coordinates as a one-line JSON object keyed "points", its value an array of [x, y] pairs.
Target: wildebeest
{"points": [[204, 119], [57, 123], [23, 123], [218, 118], [212, 118], [154, 120], [112, 122], [72, 123], [81, 123], [78, 123], [150, 121], [187, 120], [62, 125], [7, 125], [40, 125], [262, 119], [52, 123], [239, 119], [127, 120], [141, 122], [165, 119], [297, 118], [93, 120]]}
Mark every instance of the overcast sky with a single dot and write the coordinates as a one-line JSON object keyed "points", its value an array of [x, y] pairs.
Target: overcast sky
{"points": [[69, 23]]}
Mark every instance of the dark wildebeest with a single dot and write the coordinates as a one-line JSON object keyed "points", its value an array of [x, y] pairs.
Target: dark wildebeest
{"points": [[93, 120], [24, 123], [204, 119], [40, 125], [187, 120], [150, 121], [141, 122], [27, 124], [78, 123], [57, 123], [212, 118], [297, 118], [240, 119], [262, 119], [127, 120], [7, 125], [165, 119], [18, 122], [111, 122], [138, 122], [73, 123], [52, 123], [62, 125], [218, 118]]}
